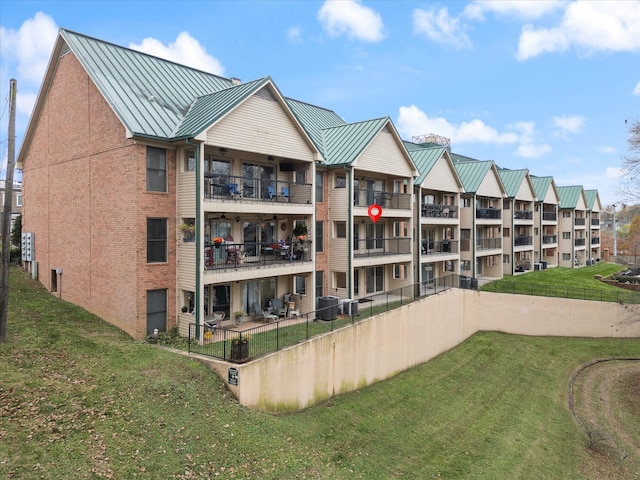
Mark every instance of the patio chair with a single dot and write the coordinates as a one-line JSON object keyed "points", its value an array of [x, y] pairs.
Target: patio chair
{"points": [[271, 190], [285, 192], [233, 190], [277, 308], [266, 316]]}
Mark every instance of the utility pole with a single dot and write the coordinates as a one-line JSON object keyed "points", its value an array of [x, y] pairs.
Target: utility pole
{"points": [[6, 219]]}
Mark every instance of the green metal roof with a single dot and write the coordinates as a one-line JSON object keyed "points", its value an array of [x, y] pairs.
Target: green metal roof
{"points": [[343, 144], [512, 180], [150, 95], [541, 186], [569, 196], [425, 159], [472, 173], [591, 196], [314, 119]]}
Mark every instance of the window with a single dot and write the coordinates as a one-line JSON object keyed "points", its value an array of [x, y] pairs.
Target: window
{"points": [[400, 229], [374, 279], [319, 237], [188, 228], [319, 283], [189, 160], [319, 187], [566, 214], [156, 240], [506, 232], [566, 235], [466, 201], [375, 235], [340, 229], [465, 265], [301, 176], [400, 271], [341, 279], [18, 199], [341, 181], [505, 258], [156, 169], [356, 281], [506, 204], [566, 257], [300, 285], [156, 310], [535, 231]]}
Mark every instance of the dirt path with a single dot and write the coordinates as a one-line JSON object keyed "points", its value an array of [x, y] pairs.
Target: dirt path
{"points": [[605, 400]]}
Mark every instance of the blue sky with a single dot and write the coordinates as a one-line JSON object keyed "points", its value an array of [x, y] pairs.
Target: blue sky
{"points": [[544, 85]]}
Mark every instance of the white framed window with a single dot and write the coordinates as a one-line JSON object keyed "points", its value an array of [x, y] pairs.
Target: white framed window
{"points": [[566, 235], [340, 279], [505, 258], [341, 181], [340, 229], [299, 285], [18, 199], [465, 265], [566, 257], [400, 271]]}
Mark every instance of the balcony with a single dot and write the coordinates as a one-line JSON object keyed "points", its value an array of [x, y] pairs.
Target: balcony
{"points": [[432, 210], [522, 241], [523, 215], [595, 240], [374, 247], [578, 221], [595, 222], [231, 187], [364, 198], [488, 243], [549, 216], [489, 213], [255, 254], [430, 247], [547, 239], [580, 242]]}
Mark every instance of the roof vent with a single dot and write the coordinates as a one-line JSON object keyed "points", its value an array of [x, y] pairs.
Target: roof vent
{"points": [[235, 81]]}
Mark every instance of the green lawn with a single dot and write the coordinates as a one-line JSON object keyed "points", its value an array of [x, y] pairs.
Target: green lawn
{"points": [[80, 399]]}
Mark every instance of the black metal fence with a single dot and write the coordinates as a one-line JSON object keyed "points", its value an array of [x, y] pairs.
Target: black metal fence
{"points": [[241, 346], [543, 290]]}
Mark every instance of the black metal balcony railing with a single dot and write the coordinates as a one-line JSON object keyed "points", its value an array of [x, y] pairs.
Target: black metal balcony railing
{"points": [[549, 216], [595, 222], [579, 242], [579, 221], [252, 254], [249, 188], [371, 247], [549, 239], [488, 243], [523, 215], [595, 240], [364, 198], [523, 240], [432, 210], [489, 213], [430, 247]]}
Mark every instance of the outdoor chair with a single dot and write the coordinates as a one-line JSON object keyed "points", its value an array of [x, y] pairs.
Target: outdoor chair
{"points": [[264, 313]]}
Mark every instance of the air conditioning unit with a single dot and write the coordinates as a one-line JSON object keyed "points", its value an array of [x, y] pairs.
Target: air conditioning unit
{"points": [[349, 307]]}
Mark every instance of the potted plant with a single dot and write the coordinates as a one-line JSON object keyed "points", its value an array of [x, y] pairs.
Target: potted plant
{"points": [[188, 231], [238, 316], [240, 347], [300, 231], [217, 241]]}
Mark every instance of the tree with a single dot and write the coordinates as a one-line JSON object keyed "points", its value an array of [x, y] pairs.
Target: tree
{"points": [[631, 165]]}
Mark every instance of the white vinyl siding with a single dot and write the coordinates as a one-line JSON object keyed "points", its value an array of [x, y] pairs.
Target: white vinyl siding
{"points": [[383, 152]]}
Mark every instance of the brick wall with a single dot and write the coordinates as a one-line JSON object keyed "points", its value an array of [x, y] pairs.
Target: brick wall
{"points": [[322, 215], [85, 199]]}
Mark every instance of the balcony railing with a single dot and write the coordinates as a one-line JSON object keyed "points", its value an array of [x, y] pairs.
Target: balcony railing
{"points": [[595, 240], [432, 210], [579, 242], [430, 247], [523, 240], [488, 243], [549, 239], [249, 188], [549, 216], [579, 221], [595, 222], [253, 254], [372, 247], [489, 213], [523, 215], [364, 198]]}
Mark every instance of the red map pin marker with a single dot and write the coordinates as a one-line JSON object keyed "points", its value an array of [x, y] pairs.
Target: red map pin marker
{"points": [[375, 212]]}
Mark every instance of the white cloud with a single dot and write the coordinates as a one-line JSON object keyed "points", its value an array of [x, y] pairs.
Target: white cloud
{"points": [[351, 18], [185, 50], [527, 10], [440, 27], [30, 46], [294, 34], [413, 121], [588, 26], [25, 102], [614, 172], [636, 91], [568, 124], [607, 150]]}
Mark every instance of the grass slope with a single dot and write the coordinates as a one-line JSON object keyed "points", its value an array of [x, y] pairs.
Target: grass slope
{"points": [[80, 399]]}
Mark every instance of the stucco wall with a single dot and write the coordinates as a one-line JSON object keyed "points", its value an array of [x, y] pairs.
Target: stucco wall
{"points": [[384, 345]]}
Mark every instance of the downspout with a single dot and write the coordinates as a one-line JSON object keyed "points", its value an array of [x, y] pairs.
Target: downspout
{"points": [[350, 234], [513, 233], [198, 226], [474, 237]]}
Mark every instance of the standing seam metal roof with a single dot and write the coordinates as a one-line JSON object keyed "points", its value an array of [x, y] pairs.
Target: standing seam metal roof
{"points": [[425, 159], [472, 173], [512, 180], [541, 186], [569, 196], [343, 144]]}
